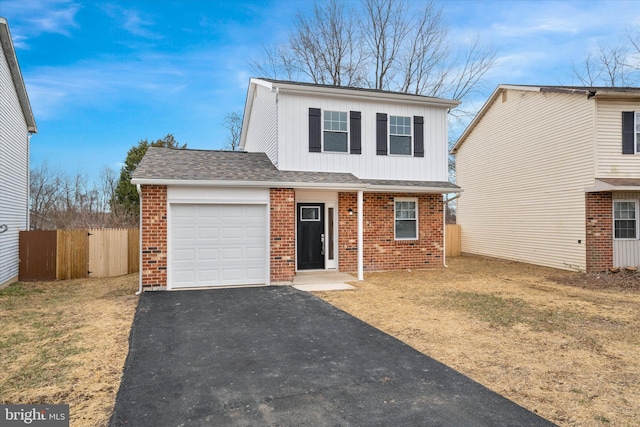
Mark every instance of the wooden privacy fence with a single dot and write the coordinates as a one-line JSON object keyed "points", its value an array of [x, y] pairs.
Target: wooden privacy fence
{"points": [[452, 236], [72, 254]]}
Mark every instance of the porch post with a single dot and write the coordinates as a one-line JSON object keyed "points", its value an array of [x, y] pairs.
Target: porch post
{"points": [[360, 236]]}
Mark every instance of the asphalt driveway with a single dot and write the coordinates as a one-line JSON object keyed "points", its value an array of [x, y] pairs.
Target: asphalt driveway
{"points": [[276, 356]]}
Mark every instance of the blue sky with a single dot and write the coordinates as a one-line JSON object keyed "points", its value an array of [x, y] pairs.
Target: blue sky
{"points": [[102, 75]]}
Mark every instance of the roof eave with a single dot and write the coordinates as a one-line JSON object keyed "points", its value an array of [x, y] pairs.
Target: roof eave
{"points": [[601, 186], [247, 184], [299, 185], [354, 93], [16, 76]]}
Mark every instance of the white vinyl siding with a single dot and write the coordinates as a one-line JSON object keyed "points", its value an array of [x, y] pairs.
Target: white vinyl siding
{"points": [[14, 173], [611, 163], [523, 170], [262, 132], [293, 147], [626, 252]]}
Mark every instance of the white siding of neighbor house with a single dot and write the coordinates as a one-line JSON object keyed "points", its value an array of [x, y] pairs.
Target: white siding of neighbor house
{"points": [[523, 170], [293, 131], [611, 163], [14, 170], [626, 253], [262, 130]]}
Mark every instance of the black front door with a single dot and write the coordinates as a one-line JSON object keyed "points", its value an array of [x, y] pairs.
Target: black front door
{"points": [[310, 236]]}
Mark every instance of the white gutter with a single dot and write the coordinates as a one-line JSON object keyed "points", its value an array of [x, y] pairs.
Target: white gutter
{"points": [[300, 185], [140, 242], [253, 184]]}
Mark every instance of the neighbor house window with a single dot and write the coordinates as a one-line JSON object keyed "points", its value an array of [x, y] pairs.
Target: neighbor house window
{"points": [[335, 131], [637, 131], [625, 219], [400, 135], [406, 219]]}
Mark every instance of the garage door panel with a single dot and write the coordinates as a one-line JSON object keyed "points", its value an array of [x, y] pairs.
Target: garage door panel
{"points": [[218, 245]]}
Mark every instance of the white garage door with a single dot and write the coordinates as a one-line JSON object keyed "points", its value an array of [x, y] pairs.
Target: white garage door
{"points": [[218, 245]]}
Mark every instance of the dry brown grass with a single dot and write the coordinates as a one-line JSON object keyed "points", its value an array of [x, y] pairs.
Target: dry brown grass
{"points": [[65, 343], [568, 353]]}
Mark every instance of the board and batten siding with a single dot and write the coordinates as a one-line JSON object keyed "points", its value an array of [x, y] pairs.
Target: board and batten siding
{"points": [[626, 252], [293, 131], [523, 170], [14, 173], [262, 130], [610, 162]]}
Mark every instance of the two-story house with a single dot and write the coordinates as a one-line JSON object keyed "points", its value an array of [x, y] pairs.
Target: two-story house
{"points": [[552, 177], [16, 125], [329, 178]]}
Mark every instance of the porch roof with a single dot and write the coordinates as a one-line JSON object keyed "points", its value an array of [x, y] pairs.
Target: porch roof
{"points": [[614, 184], [169, 166]]}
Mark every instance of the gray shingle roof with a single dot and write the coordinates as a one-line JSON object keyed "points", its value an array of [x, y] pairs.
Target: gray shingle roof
{"points": [[160, 163], [210, 165]]}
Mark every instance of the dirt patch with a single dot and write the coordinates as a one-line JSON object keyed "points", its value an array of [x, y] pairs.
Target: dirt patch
{"points": [[564, 345], [66, 342]]}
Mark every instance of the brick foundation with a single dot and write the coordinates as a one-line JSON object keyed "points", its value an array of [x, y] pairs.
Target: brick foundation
{"points": [[381, 250], [154, 235], [599, 231], [283, 234]]}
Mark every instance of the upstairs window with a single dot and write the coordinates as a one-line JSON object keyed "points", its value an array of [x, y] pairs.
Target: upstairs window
{"points": [[400, 135], [335, 131], [406, 218], [637, 131], [625, 219], [631, 132]]}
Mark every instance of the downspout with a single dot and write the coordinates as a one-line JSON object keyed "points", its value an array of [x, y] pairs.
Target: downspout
{"points": [[139, 188], [444, 228], [360, 236], [28, 181]]}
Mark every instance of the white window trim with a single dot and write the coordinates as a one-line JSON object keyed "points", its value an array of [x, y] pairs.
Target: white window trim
{"points": [[322, 111], [411, 136], [406, 199], [636, 122], [613, 214]]}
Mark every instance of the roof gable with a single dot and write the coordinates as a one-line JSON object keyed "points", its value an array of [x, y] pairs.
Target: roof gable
{"points": [[587, 92]]}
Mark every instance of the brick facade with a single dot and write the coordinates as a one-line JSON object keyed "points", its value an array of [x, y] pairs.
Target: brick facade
{"points": [[283, 234], [154, 235], [381, 250], [599, 231]]}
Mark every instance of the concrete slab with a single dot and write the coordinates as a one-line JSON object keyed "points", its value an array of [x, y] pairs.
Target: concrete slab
{"points": [[322, 287], [275, 356]]}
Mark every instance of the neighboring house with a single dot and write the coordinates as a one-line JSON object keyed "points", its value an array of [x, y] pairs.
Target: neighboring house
{"points": [[331, 178], [16, 125], [552, 177]]}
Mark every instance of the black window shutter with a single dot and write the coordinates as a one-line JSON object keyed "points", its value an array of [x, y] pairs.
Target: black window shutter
{"points": [[418, 136], [627, 132], [315, 132], [356, 145], [381, 134]]}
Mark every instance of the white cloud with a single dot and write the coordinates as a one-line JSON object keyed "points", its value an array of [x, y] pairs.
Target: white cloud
{"points": [[36, 17], [133, 21]]}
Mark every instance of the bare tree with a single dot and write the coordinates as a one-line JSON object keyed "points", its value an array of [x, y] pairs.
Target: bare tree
{"points": [[233, 123], [612, 66], [62, 201], [381, 44]]}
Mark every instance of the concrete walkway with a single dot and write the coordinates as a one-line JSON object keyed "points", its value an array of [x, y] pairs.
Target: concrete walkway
{"points": [[275, 356], [315, 281]]}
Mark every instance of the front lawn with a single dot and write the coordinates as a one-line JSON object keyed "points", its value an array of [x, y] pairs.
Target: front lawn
{"points": [[66, 342]]}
